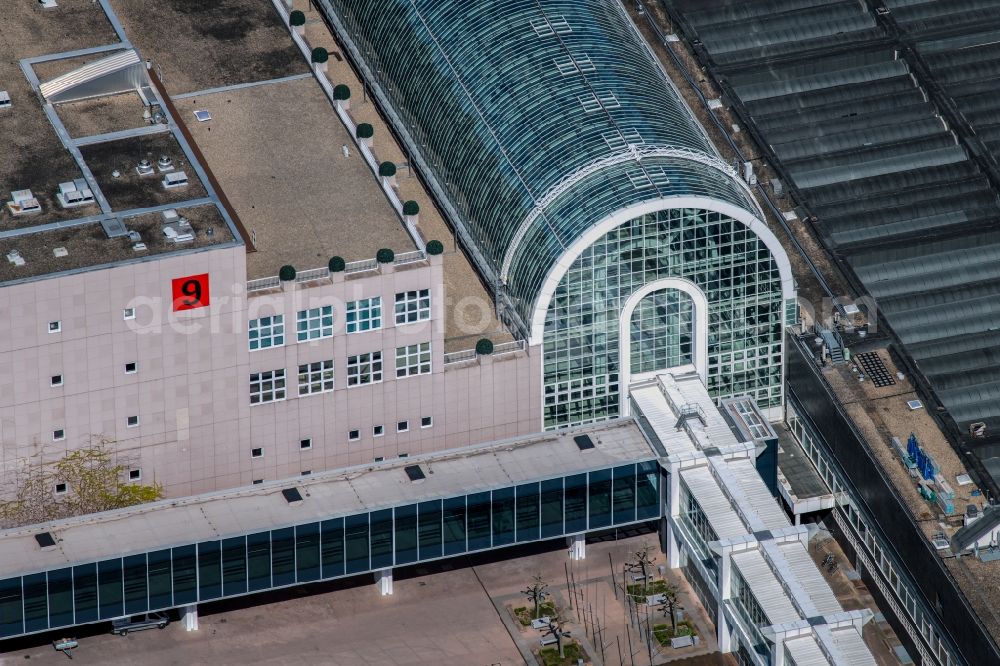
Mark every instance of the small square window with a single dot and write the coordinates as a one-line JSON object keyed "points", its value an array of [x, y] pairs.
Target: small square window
{"points": [[354, 435], [134, 474], [128, 313], [256, 453], [56, 380], [378, 431], [61, 488], [58, 435], [257, 482], [307, 472], [426, 421], [379, 458], [305, 443], [55, 326], [404, 455], [403, 426], [132, 421], [130, 368]]}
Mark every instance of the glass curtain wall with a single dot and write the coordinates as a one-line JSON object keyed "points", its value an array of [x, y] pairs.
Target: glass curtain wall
{"points": [[662, 331], [730, 264]]}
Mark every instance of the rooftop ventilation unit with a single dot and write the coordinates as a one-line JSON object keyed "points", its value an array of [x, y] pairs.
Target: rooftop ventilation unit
{"points": [[113, 227], [45, 540], [414, 473], [202, 115], [583, 442], [74, 193], [292, 496], [60, 252], [175, 180], [4, 100], [15, 258], [48, 4], [165, 163], [23, 202], [144, 168]]}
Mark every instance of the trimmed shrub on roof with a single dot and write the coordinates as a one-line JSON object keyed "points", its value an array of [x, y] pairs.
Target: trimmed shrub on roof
{"points": [[319, 55], [411, 207], [341, 92], [385, 256], [364, 131], [435, 247], [287, 273], [387, 169], [296, 19], [337, 265], [484, 346]]}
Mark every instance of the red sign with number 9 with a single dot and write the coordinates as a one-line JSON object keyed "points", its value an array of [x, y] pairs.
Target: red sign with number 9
{"points": [[190, 292]]}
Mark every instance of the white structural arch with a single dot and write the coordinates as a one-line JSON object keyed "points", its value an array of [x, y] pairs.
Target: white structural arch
{"points": [[625, 328], [623, 215]]}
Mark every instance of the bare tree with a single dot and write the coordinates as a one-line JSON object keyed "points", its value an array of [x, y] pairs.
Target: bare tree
{"points": [[91, 479], [555, 629], [642, 562], [671, 604], [536, 593]]}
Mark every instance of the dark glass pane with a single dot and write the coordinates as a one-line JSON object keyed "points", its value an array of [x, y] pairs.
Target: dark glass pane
{"points": [[159, 580], [478, 521], [259, 561], [11, 609], [307, 552], [356, 543], [283, 556], [185, 569], [503, 517], [406, 534], [333, 547], [647, 491], [381, 535], [36, 603], [454, 525], [234, 566], [600, 499], [109, 588], [85, 593], [576, 503], [527, 512], [209, 570], [135, 585], [623, 494], [429, 515], [552, 508], [61, 597]]}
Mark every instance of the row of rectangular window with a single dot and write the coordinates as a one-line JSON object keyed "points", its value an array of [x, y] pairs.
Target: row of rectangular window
{"points": [[354, 544], [57, 380], [317, 377], [316, 323]]}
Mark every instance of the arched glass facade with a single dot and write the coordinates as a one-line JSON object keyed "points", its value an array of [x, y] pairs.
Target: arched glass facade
{"points": [[661, 332], [727, 261]]}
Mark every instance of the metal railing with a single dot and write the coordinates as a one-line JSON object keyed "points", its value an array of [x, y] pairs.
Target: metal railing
{"points": [[313, 274], [498, 350], [410, 257], [263, 283], [360, 266]]}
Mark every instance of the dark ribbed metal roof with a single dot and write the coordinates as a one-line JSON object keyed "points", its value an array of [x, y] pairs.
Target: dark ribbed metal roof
{"points": [[888, 125], [534, 119]]}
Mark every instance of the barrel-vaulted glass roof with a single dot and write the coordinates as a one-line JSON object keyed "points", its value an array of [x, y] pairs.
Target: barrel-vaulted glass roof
{"points": [[518, 107]]}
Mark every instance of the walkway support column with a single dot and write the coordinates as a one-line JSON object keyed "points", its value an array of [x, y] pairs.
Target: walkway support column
{"points": [[383, 579], [189, 617], [577, 547]]}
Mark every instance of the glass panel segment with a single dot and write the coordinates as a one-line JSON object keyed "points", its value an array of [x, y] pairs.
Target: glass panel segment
{"points": [[576, 503], [85, 593], [136, 594], [454, 525], [234, 566], [503, 517], [159, 580], [109, 589], [478, 521], [209, 570], [552, 508], [36, 603], [623, 494], [406, 534], [185, 577], [283, 556], [332, 547], [599, 499], [356, 540], [381, 538], [307, 552], [527, 512], [61, 597], [259, 561], [429, 516], [11, 607], [647, 493]]}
